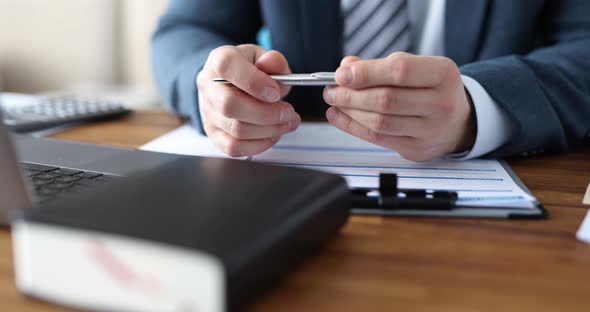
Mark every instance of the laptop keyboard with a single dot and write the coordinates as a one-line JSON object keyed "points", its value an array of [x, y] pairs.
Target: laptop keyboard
{"points": [[50, 182]]}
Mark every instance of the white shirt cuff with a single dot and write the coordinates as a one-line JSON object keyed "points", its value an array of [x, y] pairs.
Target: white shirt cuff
{"points": [[494, 126]]}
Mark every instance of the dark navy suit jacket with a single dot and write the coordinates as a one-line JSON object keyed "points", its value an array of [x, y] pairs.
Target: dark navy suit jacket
{"points": [[532, 56]]}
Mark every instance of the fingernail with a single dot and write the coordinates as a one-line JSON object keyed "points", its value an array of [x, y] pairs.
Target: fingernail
{"points": [[332, 113], [344, 76], [330, 95], [287, 114], [270, 95]]}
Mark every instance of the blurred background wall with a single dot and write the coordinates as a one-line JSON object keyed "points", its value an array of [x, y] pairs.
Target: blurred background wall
{"points": [[79, 46]]}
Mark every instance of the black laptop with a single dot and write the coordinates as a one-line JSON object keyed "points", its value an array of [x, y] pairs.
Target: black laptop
{"points": [[40, 170]]}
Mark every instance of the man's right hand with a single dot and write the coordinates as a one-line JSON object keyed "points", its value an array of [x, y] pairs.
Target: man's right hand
{"points": [[246, 117]]}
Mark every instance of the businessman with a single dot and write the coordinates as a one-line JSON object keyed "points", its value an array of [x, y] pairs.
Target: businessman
{"points": [[454, 78]]}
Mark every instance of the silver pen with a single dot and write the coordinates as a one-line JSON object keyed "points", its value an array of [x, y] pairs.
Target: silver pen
{"points": [[313, 79]]}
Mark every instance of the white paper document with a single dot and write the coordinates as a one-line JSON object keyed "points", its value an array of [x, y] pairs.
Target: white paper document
{"points": [[586, 200], [321, 146], [583, 233]]}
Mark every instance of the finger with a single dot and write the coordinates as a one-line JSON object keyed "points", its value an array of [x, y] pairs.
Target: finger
{"points": [[246, 131], [343, 122], [408, 147], [237, 67], [273, 62], [236, 104], [387, 100], [237, 148], [349, 59], [388, 124], [399, 69], [207, 113]]}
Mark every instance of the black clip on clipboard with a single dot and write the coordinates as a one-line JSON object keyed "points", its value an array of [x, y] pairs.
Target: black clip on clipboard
{"points": [[389, 200]]}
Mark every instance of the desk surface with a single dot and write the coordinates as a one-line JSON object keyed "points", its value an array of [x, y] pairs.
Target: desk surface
{"points": [[412, 264]]}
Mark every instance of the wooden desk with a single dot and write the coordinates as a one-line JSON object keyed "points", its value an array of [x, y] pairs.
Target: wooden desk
{"points": [[412, 264]]}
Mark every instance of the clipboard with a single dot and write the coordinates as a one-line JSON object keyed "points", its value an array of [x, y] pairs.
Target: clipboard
{"points": [[388, 200], [329, 144]]}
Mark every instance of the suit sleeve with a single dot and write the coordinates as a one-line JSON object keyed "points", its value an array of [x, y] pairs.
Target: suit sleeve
{"points": [[187, 32], [546, 93]]}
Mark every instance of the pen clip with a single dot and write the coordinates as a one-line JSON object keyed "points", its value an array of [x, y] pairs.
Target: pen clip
{"points": [[324, 75]]}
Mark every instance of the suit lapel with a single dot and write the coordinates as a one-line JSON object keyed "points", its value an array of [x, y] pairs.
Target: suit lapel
{"points": [[322, 33], [464, 21]]}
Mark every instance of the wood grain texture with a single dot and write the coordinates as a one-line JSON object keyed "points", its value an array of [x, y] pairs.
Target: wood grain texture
{"points": [[132, 131], [412, 264]]}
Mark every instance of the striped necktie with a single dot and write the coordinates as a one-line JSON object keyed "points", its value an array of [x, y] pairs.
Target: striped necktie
{"points": [[375, 28]]}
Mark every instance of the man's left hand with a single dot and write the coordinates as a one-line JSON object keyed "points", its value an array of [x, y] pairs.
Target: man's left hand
{"points": [[415, 105]]}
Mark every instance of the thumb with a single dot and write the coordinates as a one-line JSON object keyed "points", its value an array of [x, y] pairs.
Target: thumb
{"points": [[273, 62]]}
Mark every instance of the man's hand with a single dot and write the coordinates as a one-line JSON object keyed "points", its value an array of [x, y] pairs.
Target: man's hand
{"points": [[415, 105], [245, 117]]}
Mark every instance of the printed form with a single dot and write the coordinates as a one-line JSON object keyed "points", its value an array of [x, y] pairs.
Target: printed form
{"points": [[321, 146]]}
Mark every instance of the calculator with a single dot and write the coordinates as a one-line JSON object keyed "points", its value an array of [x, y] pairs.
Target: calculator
{"points": [[38, 113]]}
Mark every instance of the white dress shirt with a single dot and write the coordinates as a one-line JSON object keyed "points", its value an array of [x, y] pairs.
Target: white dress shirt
{"points": [[494, 127]]}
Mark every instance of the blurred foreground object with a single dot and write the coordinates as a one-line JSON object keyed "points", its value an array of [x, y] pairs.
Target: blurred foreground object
{"points": [[195, 234]]}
